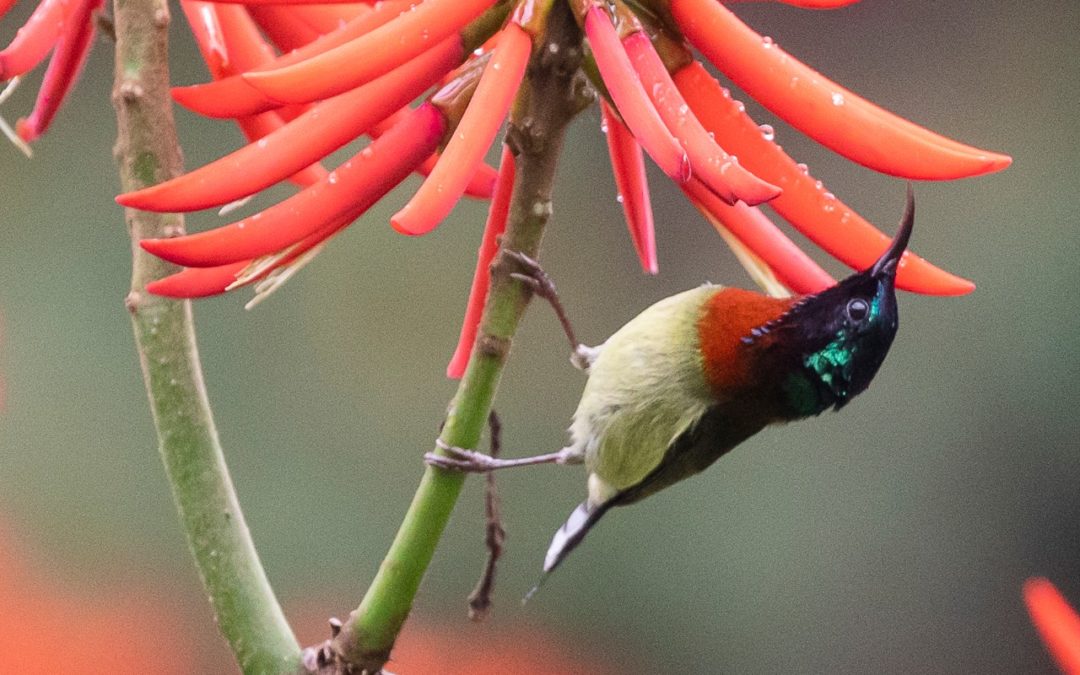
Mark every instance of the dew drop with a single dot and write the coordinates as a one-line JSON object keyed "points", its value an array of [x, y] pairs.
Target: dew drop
{"points": [[366, 152], [767, 42], [767, 132], [803, 169], [261, 143], [837, 98], [739, 106], [619, 198], [332, 178]]}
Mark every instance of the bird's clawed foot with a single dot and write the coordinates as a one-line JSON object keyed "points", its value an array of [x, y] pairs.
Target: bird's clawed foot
{"points": [[460, 459], [541, 285], [470, 461], [533, 276]]}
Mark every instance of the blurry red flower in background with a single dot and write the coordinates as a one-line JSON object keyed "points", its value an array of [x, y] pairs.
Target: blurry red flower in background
{"points": [[453, 647], [1057, 623], [48, 627]]}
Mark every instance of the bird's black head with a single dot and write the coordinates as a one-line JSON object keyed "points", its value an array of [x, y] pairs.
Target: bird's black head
{"points": [[836, 340]]}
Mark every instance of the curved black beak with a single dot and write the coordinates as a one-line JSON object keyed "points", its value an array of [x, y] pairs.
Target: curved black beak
{"points": [[886, 264]]}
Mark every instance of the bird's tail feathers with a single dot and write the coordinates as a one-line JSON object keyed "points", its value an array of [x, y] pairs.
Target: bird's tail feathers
{"points": [[568, 536]]}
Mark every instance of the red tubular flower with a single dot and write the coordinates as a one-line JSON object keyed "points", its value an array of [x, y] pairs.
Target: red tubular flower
{"points": [[711, 165], [37, 37], [344, 194], [315, 134], [64, 68], [233, 96], [63, 26], [369, 56], [1057, 623], [477, 128], [630, 98], [835, 117], [804, 201], [198, 282], [628, 165], [489, 246], [480, 186], [230, 43]]}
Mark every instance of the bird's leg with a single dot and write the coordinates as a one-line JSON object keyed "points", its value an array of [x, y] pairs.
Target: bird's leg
{"points": [[541, 285], [480, 598], [470, 461]]}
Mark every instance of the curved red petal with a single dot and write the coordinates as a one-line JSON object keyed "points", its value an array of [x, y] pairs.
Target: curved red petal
{"points": [[318, 132], [345, 193], [369, 56], [64, 69], [232, 96], [631, 100], [830, 114], [489, 246], [1057, 622], [473, 136], [710, 164], [482, 183], [628, 167], [38, 36], [804, 202], [197, 282]]}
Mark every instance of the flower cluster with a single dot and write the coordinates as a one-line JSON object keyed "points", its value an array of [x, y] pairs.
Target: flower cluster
{"points": [[303, 80]]}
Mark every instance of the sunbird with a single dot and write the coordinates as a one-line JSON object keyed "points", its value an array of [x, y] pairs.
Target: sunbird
{"points": [[698, 373]]}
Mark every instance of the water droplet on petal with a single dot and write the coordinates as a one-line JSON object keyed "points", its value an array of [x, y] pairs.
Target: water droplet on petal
{"points": [[619, 198], [837, 98], [767, 42], [767, 132], [805, 170]]}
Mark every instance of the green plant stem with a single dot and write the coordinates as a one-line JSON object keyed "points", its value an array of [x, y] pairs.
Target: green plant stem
{"points": [[551, 95], [147, 153]]}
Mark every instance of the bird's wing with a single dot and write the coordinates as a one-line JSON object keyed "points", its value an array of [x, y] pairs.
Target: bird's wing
{"points": [[645, 389]]}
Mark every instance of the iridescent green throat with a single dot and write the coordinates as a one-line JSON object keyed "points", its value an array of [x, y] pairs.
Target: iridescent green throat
{"points": [[824, 380]]}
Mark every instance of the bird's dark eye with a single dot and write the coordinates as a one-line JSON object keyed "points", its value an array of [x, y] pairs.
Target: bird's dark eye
{"points": [[858, 309]]}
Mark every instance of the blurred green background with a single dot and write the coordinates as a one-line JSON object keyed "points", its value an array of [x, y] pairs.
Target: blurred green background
{"points": [[893, 537]]}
